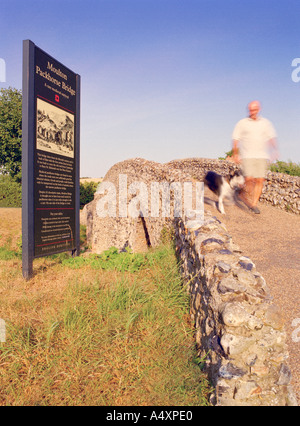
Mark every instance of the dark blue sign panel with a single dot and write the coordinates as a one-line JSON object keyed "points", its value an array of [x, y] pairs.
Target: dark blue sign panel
{"points": [[51, 102]]}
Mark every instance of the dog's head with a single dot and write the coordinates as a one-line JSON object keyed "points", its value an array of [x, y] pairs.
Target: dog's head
{"points": [[236, 180]]}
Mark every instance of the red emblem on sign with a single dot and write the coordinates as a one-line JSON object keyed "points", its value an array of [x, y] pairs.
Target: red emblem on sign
{"points": [[56, 98]]}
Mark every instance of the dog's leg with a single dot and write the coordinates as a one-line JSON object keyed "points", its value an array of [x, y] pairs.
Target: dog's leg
{"points": [[220, 204]]}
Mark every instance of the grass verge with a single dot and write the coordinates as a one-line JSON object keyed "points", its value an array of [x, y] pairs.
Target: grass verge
{"points": [[89, 335]]}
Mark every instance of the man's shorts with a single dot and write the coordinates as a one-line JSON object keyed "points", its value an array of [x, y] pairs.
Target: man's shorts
{"points": [[255, 167]]}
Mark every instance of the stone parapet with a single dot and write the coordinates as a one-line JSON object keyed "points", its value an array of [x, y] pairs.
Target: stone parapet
{"points": [[239, 330], [119, 229]]}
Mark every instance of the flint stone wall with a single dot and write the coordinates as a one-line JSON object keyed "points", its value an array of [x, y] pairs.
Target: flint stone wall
{"points": [[280, 190], [122, 232], [239, 331]]}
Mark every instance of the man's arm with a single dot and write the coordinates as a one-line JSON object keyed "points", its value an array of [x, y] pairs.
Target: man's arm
{"points": [[235, 147], [274, 150]]}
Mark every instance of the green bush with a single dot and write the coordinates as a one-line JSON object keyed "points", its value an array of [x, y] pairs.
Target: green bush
{"points": [[289, 168], [87, 191], [11, 132], [227, 154], [10, 192]]}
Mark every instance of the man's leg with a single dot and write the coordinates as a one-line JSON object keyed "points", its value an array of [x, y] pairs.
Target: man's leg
{"points": [[258, 187], [253, 185], [247, 193]]}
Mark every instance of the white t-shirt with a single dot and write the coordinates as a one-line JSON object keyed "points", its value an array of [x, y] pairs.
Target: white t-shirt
{"points": [[253, 137]]}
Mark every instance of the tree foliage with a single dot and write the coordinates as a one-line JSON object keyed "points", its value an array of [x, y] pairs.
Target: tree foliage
{"points": [[11, 132], [87, 191], [10, 192]]}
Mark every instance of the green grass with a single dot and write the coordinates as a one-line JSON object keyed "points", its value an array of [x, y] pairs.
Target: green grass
{"points": [[117, 334], [7, 254], [113, 260]]}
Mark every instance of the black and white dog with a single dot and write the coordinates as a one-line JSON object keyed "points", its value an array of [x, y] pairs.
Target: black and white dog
{"points": [[224, 186]]}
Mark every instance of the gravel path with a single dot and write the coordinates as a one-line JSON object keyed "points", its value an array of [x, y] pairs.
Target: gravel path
{"points": [[272, 241]]}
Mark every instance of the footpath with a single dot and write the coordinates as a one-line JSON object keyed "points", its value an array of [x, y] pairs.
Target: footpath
{"points": [[272, 241]]}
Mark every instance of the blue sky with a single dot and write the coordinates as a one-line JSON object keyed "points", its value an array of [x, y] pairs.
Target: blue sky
{"points": [[164, 79]]}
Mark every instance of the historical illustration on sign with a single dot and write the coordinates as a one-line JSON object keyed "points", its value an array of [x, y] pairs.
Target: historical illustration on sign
{"points": [[54, 130]]}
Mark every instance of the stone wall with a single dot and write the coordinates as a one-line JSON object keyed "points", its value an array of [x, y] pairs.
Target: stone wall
{"points": [[239, 331], [280, 190], [120, 229]]}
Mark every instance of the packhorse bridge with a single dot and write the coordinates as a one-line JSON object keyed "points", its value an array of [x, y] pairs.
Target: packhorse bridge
{"points": [[243, 271]]}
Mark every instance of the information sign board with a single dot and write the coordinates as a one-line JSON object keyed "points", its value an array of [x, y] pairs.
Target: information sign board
{"points": [[50, 157]]}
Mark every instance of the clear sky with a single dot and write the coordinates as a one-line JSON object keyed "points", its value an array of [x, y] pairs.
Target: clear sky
{"points": [[164, 79]]}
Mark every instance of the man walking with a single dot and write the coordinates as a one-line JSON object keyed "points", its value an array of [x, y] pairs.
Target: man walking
{"points": [[254, 139]]}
